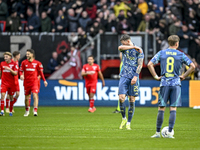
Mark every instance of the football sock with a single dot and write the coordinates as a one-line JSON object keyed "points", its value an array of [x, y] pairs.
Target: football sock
{"points": [[29, 104], [91, 103], [27, 109], [172, 119], [35, 109], [2, 105], [123, 109], [118, 106], [160, 118], [15, 100], [7, 103], [131, 111], [11, 105]]}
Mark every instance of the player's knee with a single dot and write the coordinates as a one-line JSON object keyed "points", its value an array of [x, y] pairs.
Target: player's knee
{"points": [[122, 98], [131, 99]]}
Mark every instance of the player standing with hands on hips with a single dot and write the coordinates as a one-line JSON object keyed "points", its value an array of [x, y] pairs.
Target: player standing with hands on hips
{"points": [[171, 61], [132, 58], [91, 71]]}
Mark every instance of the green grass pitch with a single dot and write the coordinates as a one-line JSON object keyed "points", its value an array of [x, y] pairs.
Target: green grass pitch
{"points": [[73, 128]]}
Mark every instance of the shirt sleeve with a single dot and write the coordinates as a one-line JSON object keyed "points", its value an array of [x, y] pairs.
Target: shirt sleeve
{"points": [[40, 70], [156, 58], [186, 60], [98, 68], [83, 69], [16, 67]]}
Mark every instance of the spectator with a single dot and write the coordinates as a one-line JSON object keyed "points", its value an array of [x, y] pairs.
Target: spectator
{"points": [[123, 27], [143, 6], [121, 6], [91, 9], [137, 15], [121, 15], [111, 5], [3, 13], [73, 20], [21, 9], [101, 3], [67, 4], [33, 21], [158, 5], [50, 9], [60, 22], [96, 28], [144, 24], [176, 8], [13, 23], [63, 56], [192, 21], [78, 4], [83, 20], [112, 24], [103, 17], [185, 34], [45, 22], [83, 39], [73, 39], [73, 54], [154, 21], [53, 64], [188, 6], [175, 27]]}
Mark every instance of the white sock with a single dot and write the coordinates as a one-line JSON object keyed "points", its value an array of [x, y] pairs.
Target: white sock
{"points": [[128, 123]]}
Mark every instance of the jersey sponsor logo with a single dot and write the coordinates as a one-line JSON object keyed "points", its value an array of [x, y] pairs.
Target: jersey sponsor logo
{"points": [[30, 69], [11, 66], [6, 70], [26, 65]]}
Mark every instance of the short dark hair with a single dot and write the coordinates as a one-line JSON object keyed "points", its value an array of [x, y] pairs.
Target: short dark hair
{"points": [[125, 37], [15, 53], [173, 39], [91, 56], [31, 51]]}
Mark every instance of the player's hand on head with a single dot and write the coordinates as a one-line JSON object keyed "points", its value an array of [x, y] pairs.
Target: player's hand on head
{"points": [[22, 77], [134, 80], [45, 83]]}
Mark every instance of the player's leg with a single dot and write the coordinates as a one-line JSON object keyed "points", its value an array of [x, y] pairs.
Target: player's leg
{"points": [[29, 102], [7, 103], [35, 104], [175, 101], [123, 89], [2, 102], [162, 102], [91, 101], [131, 111], [11, 104], [27, 95]]}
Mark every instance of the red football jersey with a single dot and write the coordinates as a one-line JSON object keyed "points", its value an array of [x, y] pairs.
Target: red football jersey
{"points": [[91, 80], [7, 78], [31, 70], [17, 76]]}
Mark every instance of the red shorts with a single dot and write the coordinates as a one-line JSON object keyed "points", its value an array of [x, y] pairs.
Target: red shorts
{"points": [[9, 89], [31, 89], [91, 89], [17, 88]]}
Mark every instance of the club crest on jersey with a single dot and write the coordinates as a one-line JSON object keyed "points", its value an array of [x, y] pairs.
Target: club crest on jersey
{"points": [[11, 66], [34, 65], [94, 67]]}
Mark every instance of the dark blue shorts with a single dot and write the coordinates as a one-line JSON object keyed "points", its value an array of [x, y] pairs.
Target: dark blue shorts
{"points": [[171, 94], [126, 88]]}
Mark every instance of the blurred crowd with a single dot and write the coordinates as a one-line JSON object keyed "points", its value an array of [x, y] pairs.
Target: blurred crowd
{"points": [[90, 17]]}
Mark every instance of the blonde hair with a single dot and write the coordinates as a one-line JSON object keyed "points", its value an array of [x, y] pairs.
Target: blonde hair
{"points": [[7, 53], [173, 39]]}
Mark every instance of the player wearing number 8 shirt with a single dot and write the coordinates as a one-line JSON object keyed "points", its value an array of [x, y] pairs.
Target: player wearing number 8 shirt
{"points": [[171, 61]]}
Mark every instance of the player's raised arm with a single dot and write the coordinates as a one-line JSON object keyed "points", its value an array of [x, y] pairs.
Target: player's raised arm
{"points": [[190, 70], [125, 47]]}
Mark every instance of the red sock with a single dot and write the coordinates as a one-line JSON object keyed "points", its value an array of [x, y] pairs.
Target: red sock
{"points": [[7, 103], [27, 109], [15, 100], [91, 103], [11, 105], [2, 105], [29, 101], [35, 109]]}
